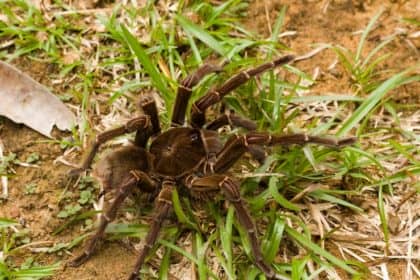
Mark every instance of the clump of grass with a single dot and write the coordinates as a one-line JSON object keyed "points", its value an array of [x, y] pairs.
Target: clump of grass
{"points": [[363, 69], [6, 164], [10, 244], [26, 29]]}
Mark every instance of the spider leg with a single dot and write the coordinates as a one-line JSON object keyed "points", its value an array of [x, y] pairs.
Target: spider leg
{"points": [[136, 124], [137, 178], [233, 120], [149, 108], [215, 95], [185, 90], [163, 205], [236, 146], [230, 189]]}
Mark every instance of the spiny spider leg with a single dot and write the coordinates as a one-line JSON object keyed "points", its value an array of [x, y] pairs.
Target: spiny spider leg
{"points": [[185, 90], [148, 105], [136, 178], [163, 204], [136, 124], [215, 95], [236, 146], [230, 189], [234, 120]]}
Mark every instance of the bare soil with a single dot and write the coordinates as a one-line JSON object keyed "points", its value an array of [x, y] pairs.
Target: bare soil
{"points": [[338, 23]]}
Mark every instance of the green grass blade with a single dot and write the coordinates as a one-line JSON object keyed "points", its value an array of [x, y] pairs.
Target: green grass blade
{"points": [[367, 73], [272, 242], [310, 156], [200, 249], [413, 21], [4, 271], [398, 176], [179, 250], [376, 96], [118, 231], [219, 10], [365, 34], [371, 157], [221, 259], [147, 63], [383, 215], [226, 238], [405, 151], [75, 219], [194, 50], [280, 199], [165, 264], [201, 34], [305, 242], [319, 194], [345, 57], [278, 24], [4, 223], [277, 27], [182, 217], [375, 50], [298, 268], [36, 272]]}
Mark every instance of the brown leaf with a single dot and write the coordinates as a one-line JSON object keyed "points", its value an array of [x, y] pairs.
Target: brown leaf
{"points": [[24, 100]]}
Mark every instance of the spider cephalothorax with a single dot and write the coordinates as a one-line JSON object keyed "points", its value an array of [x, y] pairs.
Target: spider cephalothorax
{"points": [[180, 157], [190, 156]]}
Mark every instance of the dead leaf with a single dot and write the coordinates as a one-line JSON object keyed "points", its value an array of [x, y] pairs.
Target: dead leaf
{"points": [[24, 100]]}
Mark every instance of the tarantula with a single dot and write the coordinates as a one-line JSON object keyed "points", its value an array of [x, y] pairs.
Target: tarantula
{"points": [[189, 156]]}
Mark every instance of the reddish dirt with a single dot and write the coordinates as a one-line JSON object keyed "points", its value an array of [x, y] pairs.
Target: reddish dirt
{"points": [[340, 24]]}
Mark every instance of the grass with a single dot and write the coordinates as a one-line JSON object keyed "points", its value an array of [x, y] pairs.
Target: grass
{"points": [[12, 240], [149, 49], [362, 70]]}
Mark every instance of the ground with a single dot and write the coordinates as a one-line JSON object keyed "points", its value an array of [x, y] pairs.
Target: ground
{"points": [[306, 23]]}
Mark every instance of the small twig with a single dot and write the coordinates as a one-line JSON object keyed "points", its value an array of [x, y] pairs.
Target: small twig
{"points": [[267, 18], [311, 53], [4, 182], [257, 175], [83, 12], [7, 44]]}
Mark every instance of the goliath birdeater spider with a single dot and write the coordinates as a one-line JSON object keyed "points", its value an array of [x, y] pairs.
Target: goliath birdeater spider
{"points": [[190, 156]]}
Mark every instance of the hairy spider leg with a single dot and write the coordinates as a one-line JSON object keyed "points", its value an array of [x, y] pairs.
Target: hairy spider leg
{"points": [[237, 145], [198, 108], [185, 90], [230, 189], [136, 178], [163, 204], [233, 120], [148, 105], [135, 124]]}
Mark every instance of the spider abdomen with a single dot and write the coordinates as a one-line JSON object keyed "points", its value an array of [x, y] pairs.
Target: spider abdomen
{"points": [[114, 167]]}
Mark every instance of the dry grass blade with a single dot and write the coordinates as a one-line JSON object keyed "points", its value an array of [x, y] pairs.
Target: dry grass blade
{"points": [[4, 180]]}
